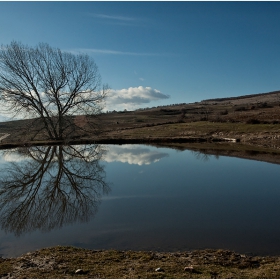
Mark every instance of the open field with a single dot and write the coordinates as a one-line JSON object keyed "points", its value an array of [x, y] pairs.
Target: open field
{"points": [[252, 119]]}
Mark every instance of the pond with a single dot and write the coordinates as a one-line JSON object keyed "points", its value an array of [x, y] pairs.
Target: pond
{"points": [[136, 197]]}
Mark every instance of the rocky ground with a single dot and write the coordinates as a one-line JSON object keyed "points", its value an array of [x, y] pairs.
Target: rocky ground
{"points": [[69, 262]]}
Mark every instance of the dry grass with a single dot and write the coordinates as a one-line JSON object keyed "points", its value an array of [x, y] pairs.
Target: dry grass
{"points": [[63, 262], [254, 119], [198, 129]]}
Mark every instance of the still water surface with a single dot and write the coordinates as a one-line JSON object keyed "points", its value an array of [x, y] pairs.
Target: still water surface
{"points": [[136, 197]]}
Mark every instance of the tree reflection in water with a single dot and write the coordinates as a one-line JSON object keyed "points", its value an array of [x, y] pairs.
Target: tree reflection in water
{"points": [[53, 186]]}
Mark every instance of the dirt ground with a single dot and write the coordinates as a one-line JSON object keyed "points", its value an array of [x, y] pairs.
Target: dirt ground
{"points": [[70, 262]]}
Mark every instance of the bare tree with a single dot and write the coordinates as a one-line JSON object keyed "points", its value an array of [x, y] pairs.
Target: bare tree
{"points": [[50, 85]]}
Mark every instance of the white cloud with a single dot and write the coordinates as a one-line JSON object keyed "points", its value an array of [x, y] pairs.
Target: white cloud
{"points": [[133, 154], [114, 17], [112, 52], [123, 20], [133, 97], [13, 157]]}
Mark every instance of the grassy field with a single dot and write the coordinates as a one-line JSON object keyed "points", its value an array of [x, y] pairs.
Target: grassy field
{"points": [[253, 119], [200, 128]]}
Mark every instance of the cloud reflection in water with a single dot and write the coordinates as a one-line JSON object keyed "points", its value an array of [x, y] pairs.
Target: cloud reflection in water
{"points": [[133, 154]]}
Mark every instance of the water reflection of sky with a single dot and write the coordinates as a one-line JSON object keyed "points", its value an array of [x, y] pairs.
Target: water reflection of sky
{"points": [[133, 154], [163, 199]]}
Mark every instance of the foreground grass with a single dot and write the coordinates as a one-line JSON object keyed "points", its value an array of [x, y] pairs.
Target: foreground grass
{"points": [[70, 262]]}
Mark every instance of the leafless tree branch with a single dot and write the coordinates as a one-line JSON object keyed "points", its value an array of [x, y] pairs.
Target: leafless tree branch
{"points": [[51, 85]]}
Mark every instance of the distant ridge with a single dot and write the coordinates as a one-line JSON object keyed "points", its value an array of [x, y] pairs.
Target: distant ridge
{"points": [[242, 96]]}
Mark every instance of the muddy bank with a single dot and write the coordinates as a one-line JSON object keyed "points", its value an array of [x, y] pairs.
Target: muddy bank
{"points": [[238, 150], [116, 141]]}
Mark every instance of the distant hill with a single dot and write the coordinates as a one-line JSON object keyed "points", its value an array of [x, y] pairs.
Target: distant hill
{"points": [[261, 95]]}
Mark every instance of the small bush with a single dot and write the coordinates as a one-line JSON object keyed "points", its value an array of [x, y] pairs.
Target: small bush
{"points": [[253, 121], [231, 121], [181, 118], [203, 119], [225, 112], [264, 105], [240, 109]]}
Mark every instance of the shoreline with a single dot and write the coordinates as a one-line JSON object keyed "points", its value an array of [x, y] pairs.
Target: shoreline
{"points": [[232, 147], [116, 141], [71, 262]]}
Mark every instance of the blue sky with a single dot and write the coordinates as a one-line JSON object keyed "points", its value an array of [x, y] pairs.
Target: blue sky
{"points": [[157, 53]]}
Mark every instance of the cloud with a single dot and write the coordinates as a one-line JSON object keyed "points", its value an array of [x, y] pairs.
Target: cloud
{"points": [[13, 157], [133, 97], [133, 154], [113, 52], [114, 17], [121, 20]]}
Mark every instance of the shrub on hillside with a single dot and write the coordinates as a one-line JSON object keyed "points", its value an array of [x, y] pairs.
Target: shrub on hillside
{"points": [[253, 121], [240, 109]]}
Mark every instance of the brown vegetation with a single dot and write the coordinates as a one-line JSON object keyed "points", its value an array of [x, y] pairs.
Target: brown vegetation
{"points": [[254, 119], [69, 262]]}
